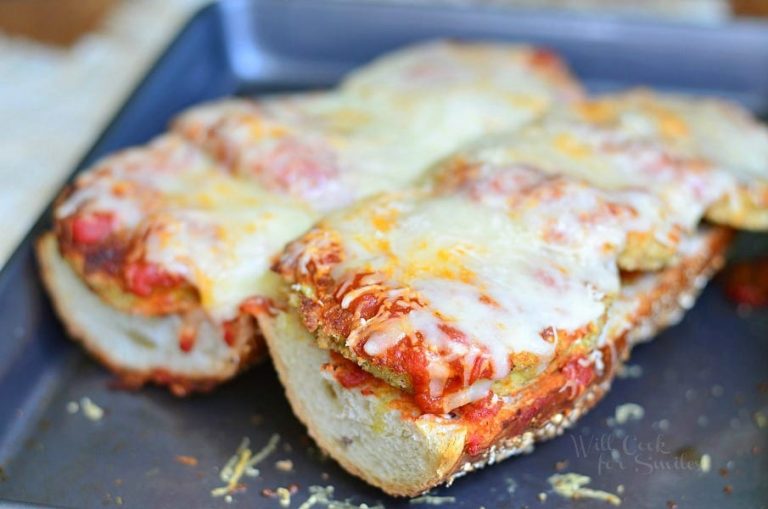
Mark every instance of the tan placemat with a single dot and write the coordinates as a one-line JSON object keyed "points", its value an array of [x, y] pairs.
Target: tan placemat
{"points": [[54, 101]]}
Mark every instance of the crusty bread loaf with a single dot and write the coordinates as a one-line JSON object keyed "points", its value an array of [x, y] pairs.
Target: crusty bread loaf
{"points": [[377, 433], [141, 349]]}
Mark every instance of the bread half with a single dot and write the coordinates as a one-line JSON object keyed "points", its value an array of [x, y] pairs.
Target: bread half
{"points": [[142, 349], [377, 433]]}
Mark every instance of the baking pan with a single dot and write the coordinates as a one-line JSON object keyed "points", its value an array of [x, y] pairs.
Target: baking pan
{"points": [[702, 384]]}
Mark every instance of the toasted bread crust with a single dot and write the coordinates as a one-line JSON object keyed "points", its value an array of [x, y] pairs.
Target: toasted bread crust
{"points": [[649, 310], [180, 380]]}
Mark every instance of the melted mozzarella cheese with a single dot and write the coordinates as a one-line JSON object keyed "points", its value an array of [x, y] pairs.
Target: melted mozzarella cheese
{"points": [[216, 230], [225, 252], [128, 183], [701, 127], [546, 205], [380, 129], [478, 271], [612, 160], [283, 160]]}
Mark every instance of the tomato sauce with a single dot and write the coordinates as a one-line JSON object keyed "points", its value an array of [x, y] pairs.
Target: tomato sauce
{"points": [[92, 228], [143, 278], [746, 282]]}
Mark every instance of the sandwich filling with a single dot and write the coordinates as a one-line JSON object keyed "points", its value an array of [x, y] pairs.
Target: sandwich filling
{"points": [[507, 257], [444, 292], [191, 221]]}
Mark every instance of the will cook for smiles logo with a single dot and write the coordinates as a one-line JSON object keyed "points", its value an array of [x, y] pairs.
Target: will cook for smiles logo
{"points": [[633, 454]]}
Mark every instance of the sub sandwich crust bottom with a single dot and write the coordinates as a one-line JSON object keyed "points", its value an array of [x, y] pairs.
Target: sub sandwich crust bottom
{"points": [[143, 349], [376, 433]]}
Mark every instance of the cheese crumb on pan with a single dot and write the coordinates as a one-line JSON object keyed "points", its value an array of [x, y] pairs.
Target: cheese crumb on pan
{"points": [[322, 496], [91, 410], [284, 465], [628, 412], [432, 500], [242, 463], [572, 486]]}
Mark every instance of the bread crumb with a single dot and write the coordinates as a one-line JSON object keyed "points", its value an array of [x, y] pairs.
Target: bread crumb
{"points": [[542, 497], [761, 420], [727, 489], [432, 500], [189, 461], [73, 407], [620, 489], [91, 410], [284, 465]]}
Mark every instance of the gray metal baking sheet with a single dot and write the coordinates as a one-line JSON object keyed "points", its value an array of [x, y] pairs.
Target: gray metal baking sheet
{"points": [[703, 384]]}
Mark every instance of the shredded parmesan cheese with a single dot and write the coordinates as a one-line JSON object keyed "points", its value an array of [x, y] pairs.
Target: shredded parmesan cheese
{"points": [[91, 410], [629, 412], [320, 496], [283, 497], [573, 486], [761, 420], [242, 463]]}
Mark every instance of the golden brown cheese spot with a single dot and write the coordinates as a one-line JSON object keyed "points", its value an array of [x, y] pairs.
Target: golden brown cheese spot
{"points": [[384, 220], [598, 112], [571, 146], [670, 125]]}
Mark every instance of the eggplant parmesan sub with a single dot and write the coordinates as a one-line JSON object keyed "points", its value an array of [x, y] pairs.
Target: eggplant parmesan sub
{"points": [[159, 255], [437, 329], [382, 434]]}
